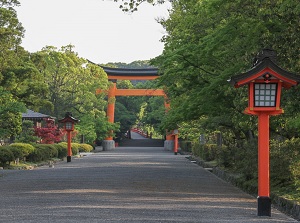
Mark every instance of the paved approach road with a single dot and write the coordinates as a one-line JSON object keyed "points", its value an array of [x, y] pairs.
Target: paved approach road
{"points": [[125, 185]]}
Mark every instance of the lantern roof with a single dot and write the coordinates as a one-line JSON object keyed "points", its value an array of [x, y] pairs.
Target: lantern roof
{"points": [[265, 64], [68, 118]]}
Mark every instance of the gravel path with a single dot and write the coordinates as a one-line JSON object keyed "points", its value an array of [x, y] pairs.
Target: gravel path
{"points": [[125, 185]]}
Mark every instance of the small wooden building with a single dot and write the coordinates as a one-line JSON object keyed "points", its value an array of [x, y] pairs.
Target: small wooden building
{"points": [[36, 117]]}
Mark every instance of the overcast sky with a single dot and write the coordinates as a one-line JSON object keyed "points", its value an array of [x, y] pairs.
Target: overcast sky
{"points": [[100, 31]]}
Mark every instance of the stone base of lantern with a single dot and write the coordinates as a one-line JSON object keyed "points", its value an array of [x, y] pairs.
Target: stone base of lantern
{"points": [[108, 145], [264, 206], [169, 145]]}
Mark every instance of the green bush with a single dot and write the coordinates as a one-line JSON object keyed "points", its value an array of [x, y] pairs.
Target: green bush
{"points": [[85, 148], [207, 152], [74, 146], [284, 163], [244, 160], [197, 149], [6, 156], [186, 146], [36, 156], [295, 171], [45, 152], [21, 150], [40, 153], [62, 150], [53, 152]]}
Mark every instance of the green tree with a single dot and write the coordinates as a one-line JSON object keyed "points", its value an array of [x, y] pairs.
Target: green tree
{"points": [[132, 5], [10, 114], [209, 41], [27, 135], [19, 80], [105, 129], [72, 82], [11, 33]]}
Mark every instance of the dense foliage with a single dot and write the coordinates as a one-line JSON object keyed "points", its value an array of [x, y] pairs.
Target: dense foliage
{"points": [[51, 81], [14, 71], [207, 42], [132, 5]]}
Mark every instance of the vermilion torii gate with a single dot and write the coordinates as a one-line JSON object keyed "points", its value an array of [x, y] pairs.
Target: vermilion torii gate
{"points": [[115, 74]]}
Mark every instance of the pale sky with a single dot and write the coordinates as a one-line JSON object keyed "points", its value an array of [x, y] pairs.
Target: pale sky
{"points": [[100, 31]]}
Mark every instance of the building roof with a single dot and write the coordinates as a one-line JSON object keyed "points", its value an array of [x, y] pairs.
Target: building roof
{"points": [[31, 115]]}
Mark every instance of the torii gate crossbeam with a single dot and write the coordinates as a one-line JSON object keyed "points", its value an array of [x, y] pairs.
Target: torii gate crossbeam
{"points": [[137, 92]]}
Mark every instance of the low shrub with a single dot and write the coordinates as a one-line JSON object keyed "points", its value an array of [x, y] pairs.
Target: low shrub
{"points": [[207, 152], [43, 152], [21, 150], [74, 146], [53, 152], [285, 164], [85, 148], [186, 146], [6, 156], [36, 156], [196, 150], [62, 151]]}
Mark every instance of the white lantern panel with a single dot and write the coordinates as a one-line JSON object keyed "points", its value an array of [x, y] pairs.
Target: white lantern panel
{"points": [[265, 95]]}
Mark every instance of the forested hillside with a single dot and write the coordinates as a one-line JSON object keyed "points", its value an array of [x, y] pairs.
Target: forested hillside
{"points": [[133, 65]]}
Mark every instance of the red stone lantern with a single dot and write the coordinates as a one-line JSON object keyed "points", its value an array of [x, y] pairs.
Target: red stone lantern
{"points": [[265, 81], [69, 123]]}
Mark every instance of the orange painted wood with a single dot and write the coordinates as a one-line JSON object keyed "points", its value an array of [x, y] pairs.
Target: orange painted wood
{"points": [[279, 88], [110, 77], [263, 155], [140, 92], [111, 105], [169, 136], [135, 92], [251, 96], [175, 143], [69, 143]]}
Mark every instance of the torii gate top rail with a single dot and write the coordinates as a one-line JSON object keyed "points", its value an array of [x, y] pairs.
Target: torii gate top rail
{"points": [[131, 74]]}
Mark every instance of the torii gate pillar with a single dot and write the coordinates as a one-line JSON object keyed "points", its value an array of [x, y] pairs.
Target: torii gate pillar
{"points": [[109, 143], [170, 142]]}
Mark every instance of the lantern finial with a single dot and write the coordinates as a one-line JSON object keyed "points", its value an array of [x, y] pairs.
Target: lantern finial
{"points": [[68, 114], [265, 53]]}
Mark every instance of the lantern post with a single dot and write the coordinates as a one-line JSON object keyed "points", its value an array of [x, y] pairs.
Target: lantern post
{"points": [[69, 123], [265, 81], [175, 133]]}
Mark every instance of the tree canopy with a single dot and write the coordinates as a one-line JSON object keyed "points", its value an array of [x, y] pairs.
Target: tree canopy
{"points": [[14, 71], [132, 5], [207, 42]]}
